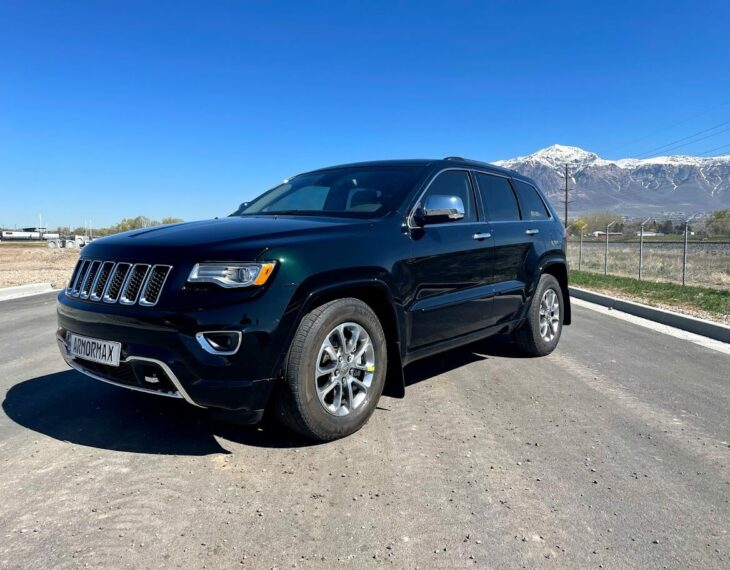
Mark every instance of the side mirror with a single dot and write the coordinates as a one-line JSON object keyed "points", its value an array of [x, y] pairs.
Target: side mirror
{"points": [[441, 208], [240, 209]]}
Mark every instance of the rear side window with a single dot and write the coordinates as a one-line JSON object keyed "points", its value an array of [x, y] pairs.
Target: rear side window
{"points": [[455, 183], [498, 197], [533, 208]]}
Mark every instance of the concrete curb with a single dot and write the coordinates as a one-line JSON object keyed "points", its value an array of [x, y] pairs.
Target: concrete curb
{"points": [[691, 324], [7, 293]]}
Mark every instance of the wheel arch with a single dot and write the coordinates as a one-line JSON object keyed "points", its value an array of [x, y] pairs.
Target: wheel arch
{"points": [[376, 294], [558, 268]]}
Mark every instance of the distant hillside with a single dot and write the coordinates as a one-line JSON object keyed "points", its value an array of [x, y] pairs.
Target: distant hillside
{"points": [[660, 185]]}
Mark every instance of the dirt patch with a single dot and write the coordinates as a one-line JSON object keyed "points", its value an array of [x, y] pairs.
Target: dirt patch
{"points": [[22, 265]]}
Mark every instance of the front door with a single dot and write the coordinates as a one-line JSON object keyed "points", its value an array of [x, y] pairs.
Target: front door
{"points": [[450, 268]]}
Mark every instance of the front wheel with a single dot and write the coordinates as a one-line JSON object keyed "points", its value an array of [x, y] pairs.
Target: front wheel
{"points": [[335, 371], [540, 333]]}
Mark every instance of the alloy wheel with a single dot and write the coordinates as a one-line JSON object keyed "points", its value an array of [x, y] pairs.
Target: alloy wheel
{"points": [[344, 370]]}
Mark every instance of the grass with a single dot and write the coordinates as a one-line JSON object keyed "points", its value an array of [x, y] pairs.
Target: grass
{"points": [[23, 243], [673, 238], [705, 299], [708, 265]]}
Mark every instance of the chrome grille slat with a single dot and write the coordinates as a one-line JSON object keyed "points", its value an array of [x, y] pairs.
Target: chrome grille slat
{"points": [[83, 269], [101, 280], [119, 276], [118, 282], [74, 276], [85, 289], [153, 285], [133, 284]]}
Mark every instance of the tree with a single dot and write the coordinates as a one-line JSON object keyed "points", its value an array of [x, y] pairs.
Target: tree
{"points": [[598, 222], [719, 223], [171, 220], [666, 227]]}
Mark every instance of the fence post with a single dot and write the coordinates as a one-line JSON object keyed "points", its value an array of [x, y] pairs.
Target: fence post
{"points": [[580, 250], [641, 246], [641, 250], [605, 255], [684, 253]]}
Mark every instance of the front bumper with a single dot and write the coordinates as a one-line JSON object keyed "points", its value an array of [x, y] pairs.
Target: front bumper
{"points": [[161, 356]]}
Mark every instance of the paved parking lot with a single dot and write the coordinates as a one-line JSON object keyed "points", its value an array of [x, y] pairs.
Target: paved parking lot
{"points": [[612, 451]]}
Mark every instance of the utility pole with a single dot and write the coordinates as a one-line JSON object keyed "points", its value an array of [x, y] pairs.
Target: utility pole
{"points": [[566, 196]]}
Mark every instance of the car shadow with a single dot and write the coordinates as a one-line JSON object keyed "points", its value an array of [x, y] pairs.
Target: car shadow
{"points": [[70, 407], [495, 346]]}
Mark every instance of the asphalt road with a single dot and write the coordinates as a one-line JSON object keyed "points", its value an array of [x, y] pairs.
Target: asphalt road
{"points": [[612, 451]]}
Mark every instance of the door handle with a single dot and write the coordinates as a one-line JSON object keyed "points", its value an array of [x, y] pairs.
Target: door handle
{"points": [[532, 232], [480, 236]]}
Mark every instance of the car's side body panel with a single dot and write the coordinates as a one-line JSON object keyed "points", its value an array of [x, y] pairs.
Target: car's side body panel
{"points": [[434, 287]]}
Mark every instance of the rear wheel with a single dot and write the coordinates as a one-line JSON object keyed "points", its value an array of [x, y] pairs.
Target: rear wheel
{"points": [[540, 333], [335, 371]]}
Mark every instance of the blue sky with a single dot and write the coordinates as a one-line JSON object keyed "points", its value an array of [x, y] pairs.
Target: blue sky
{"points": [[114, 109]]}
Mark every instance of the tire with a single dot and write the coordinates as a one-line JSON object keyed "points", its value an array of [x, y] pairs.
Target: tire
{"points": [[303, 403], [528, 337]]}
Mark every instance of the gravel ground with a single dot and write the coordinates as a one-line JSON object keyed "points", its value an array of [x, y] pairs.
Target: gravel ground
{"points": [[612, 452], [20, 265]]}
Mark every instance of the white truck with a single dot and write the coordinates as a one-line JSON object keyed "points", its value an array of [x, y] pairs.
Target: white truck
{"points": [[28, 234], [69, 242]]}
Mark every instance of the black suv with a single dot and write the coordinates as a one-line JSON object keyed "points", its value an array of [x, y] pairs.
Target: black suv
{"points": [[313, 296]]}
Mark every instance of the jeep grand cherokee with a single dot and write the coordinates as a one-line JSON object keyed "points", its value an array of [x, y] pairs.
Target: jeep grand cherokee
{"points": [[310, 299]]}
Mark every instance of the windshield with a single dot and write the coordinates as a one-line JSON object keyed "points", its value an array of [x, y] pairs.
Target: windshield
{"points": [[364, 191]]}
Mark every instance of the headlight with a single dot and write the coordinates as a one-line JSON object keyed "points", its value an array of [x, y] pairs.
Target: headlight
{"points": [[231, 275]]}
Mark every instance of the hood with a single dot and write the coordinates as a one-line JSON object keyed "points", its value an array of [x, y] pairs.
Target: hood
{"points": [[218, 238]]}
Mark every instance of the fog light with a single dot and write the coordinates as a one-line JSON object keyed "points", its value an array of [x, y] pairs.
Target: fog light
{"points": [[220, 343]]}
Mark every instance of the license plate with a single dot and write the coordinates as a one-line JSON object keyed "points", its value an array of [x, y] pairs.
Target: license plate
{"points": [[102, 351]]}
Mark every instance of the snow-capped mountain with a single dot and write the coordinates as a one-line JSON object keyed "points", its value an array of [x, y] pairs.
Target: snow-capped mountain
{"points": [[664, 184]]}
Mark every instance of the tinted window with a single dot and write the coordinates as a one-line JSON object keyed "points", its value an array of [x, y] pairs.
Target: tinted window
{"points": [[355, 191], [454, 183], [532, 205], [499, 199]]}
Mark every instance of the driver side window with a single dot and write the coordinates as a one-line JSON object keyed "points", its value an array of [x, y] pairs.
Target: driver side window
{"points": [[454, 183]]}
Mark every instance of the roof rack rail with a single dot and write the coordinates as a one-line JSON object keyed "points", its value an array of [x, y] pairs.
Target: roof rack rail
{"points": [[454, 158]]}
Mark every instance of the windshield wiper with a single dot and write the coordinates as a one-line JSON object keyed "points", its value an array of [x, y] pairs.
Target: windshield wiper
{"points": [[286, 213]]}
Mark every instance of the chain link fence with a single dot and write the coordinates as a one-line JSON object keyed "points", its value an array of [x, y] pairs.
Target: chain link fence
{"points": [[704, 263]]}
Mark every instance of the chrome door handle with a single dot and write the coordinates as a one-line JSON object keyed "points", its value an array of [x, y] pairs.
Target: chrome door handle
{"points": [[482, 236], [532, 232]]}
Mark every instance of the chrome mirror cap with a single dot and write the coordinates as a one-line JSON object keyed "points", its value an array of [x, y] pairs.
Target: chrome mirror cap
{"points": [[439, 207]]}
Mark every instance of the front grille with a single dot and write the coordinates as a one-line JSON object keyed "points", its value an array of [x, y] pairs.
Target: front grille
{"points": [[124, 283]]}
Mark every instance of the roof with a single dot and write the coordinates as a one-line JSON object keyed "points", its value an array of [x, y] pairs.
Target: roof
{"points": [[444, 162]]}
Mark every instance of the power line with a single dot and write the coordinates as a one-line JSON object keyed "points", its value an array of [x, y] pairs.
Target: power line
{"points": [[714, 149], [672, 149], [670, 127], [664, 146]]}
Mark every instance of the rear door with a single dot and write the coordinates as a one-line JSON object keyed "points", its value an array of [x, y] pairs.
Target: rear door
{"points": [[536, 217], [450, 268], [514, 251]]}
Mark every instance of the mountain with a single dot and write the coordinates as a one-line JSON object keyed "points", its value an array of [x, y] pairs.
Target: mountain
{"points": [[664, 185]]}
